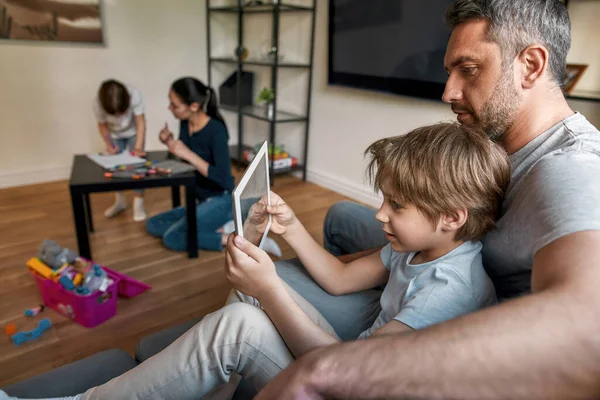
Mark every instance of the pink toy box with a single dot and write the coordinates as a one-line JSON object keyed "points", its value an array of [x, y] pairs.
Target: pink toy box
{"points": [[90, 310]]}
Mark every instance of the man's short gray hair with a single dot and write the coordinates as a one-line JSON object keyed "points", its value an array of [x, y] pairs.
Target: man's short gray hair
{"points": [[516, 24]]}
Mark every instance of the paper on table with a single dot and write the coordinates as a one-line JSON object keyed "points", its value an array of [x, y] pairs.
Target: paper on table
{"points": [[111, 161]]}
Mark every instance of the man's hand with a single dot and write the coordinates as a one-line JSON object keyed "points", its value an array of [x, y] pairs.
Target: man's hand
{"points": [[249, 269], [283, 217], [299, 381]]}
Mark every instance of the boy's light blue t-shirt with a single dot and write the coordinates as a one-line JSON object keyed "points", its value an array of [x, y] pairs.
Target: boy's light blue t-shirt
{"points": [[420, 295]]}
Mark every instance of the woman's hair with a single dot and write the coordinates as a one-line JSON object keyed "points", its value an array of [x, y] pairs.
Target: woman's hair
{"points": [[190, 90], [114, 97], [443, 168]]}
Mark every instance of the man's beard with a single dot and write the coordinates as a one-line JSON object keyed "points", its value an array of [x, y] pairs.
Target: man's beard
{"points": [[498, 113]]}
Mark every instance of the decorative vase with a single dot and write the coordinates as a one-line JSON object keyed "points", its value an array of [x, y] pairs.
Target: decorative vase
{"points": [[270, 110]]}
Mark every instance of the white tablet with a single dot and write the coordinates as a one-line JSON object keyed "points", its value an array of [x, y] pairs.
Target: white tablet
{"points": [[250, 198]]}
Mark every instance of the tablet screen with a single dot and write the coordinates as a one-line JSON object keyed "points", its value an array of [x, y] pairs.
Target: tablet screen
{"points": [[250, 198]]}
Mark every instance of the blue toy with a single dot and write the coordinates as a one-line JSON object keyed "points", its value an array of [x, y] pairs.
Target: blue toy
{"points": [[22, 337], [82, 291], [95, 279], [66, 282]]}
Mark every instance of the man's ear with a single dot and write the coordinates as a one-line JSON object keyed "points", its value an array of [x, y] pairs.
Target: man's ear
{"points": [[454, 221], [534, 62]]}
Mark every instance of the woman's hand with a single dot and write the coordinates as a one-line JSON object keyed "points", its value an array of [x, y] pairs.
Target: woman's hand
{"points": [[178, 148], [249, 269], [283, 217], [165, 135]]}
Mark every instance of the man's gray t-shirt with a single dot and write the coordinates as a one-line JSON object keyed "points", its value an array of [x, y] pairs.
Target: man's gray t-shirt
{"points": [[419, 295], [554, 191]]}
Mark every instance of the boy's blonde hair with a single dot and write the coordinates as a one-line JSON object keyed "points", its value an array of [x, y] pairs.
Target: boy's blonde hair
{"points": [[443, 168]]}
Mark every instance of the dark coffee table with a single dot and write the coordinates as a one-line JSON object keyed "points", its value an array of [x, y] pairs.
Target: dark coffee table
{"points": [[88, 177]]}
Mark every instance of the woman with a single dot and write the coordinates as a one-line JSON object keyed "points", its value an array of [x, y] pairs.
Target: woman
{"points": [[202, 142]]}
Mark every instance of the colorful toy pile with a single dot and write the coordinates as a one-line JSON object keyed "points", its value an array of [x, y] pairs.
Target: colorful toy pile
{"points": [[73, 273], [78, 288]]}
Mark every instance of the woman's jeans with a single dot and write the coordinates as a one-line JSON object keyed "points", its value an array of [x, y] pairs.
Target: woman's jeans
{"points": [[211, 214]]}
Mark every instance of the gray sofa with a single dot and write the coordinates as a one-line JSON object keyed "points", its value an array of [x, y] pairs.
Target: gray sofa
{"points": [[362, 306], [77, 377]]}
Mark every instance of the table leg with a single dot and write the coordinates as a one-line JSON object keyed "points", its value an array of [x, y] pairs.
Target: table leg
{"points": [[88, 212], [175, 196], [83, 243], [190, 206]]}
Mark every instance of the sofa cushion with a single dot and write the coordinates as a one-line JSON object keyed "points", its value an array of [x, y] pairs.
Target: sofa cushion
{"points": [[74, 378]]}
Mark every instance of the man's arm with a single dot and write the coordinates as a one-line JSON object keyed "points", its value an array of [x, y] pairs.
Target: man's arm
{"points": [[540, 346]]}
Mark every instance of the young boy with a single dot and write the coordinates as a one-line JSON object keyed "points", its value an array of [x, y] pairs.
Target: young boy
{"points": [[119, 110], [442, 188]]}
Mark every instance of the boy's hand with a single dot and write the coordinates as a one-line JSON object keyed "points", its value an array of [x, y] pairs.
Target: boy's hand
{"points": [[111, 149], [249, 269], [138, 152], [283, 217]]}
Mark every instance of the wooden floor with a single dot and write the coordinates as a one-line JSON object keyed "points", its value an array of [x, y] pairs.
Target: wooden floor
{"points": [[181, 288]]}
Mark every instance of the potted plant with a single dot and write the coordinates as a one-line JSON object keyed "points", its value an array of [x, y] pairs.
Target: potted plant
{"points": [[267, 96]]}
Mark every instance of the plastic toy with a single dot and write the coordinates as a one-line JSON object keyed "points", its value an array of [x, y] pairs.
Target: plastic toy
{"points": [[10, 329], [39, 267], [54, 255], [22, 337], [57, 273], [78, 279], [95, 279], [66, 282], [125, 174], [82, 291], [32, 312]]}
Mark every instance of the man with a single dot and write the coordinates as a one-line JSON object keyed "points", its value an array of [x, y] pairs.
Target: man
{"points": [[505, 62]]}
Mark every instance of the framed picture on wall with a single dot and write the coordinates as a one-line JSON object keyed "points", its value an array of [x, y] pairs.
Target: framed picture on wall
{"points": [[51, 20], [572, 75]]}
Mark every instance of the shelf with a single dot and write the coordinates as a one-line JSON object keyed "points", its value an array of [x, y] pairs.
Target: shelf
{"points": [[233, 155], [263, 9], [282, 64], [585, 95], [260, 112]]}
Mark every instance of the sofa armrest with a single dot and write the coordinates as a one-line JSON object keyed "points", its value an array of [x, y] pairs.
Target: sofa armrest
{"points": [[74, 378]]}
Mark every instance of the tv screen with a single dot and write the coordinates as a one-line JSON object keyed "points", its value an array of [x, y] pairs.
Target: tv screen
{"points": [[395, 46]]}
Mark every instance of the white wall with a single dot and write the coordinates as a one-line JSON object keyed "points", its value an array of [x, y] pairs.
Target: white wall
{"points": [[345, 121], [46, 90], [585, 32]]}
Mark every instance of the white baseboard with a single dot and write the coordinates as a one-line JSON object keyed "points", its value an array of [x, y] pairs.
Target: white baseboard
{"points": [[20, 178], [361, 193]]}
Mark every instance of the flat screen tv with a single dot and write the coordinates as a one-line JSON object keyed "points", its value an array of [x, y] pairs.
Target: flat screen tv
{"points": [[395, 46]]}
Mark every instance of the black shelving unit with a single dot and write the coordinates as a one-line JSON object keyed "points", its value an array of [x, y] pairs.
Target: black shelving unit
{"points": [[275, 8]]}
